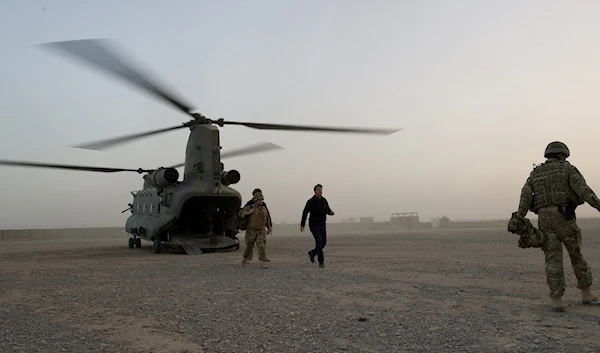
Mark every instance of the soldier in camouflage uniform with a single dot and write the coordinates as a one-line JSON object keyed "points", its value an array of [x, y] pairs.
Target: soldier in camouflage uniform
{"points": [[255, 233], [251, 201], [553, 190]]}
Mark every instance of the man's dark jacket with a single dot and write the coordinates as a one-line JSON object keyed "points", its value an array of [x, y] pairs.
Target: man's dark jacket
{"points": [[318, 209]]}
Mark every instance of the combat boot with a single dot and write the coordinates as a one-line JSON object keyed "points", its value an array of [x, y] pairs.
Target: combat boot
{"points": [[557, 304], [588, 296]]}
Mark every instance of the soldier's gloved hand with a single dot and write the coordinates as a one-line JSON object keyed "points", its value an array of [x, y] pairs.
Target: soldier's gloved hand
{"points": [[513, 223]]}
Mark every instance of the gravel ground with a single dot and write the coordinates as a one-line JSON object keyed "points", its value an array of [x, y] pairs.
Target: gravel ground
{"points": [[421, 291]]}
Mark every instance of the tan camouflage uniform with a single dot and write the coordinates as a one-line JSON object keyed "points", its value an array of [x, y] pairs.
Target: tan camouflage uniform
{"points": [[255, 233], [551, 188]]}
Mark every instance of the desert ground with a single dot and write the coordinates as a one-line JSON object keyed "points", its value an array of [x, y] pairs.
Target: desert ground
{"points": [[388, 291]]}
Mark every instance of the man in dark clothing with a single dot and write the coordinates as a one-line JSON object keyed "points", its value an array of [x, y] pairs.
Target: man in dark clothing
{"points": [[318, 207], [251, 201]]}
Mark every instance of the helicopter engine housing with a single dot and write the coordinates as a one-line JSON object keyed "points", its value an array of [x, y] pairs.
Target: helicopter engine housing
{"points": [[162, 177], [230, 177]]}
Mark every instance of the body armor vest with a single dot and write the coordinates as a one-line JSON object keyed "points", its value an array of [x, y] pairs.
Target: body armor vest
{"points": [[258, 218], [551, 186]]}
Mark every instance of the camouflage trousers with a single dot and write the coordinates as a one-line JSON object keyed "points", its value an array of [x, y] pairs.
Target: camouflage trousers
{"points": [[258, 237], [561, 231]]}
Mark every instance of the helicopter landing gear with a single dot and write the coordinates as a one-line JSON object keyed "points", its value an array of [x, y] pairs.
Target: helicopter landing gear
{"points": [[135, 241], [156, 245]]}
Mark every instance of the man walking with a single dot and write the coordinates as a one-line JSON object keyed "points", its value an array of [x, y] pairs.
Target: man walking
{"points": [[553, 190], [318, 207]]}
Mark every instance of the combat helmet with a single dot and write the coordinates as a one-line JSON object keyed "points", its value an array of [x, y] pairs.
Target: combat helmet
{"points": [[556, 147]]}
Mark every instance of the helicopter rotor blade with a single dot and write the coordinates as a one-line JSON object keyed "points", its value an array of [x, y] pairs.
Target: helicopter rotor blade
{"points": [[98, 53], [262, 126], [260, 147], [112, 142], [257, 148], [102, 54], [67, 166]]}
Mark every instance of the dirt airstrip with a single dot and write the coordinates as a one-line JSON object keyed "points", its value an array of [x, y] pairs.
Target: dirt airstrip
{"points": [[397, 291]]}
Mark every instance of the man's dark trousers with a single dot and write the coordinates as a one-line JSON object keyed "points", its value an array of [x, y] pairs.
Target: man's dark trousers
{"points": [[320, 235]]}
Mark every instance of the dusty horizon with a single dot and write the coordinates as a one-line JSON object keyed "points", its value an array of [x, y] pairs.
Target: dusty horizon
{"points": [[479, 89]]}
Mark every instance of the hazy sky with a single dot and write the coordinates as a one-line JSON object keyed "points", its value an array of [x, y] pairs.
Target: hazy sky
{"points": [[480, 88]]}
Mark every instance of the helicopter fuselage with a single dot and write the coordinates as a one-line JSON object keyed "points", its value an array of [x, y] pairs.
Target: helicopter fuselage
{"points": [[201, 206]]}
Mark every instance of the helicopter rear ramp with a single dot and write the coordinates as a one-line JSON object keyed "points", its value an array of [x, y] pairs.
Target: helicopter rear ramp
{"points": [[198, 244]]}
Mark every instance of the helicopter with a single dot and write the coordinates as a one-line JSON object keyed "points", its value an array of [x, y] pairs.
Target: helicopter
{"points": [[197, 214]]}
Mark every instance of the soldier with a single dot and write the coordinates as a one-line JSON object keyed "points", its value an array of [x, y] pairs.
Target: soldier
{"points": [[255, 233], [251, 201], [552, 191]]}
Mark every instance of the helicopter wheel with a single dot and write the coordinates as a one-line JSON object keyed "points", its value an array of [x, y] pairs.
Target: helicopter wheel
{"points": [[131, 243], [156, 245], [138, 243]]}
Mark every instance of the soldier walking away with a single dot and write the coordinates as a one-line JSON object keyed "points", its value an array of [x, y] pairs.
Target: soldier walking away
{"points": [[553, 191], [318, 207], [255, 233], [251, 201]]}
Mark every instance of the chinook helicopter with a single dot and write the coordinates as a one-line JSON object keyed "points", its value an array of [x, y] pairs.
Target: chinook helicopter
{"points": [[198, 213]]}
